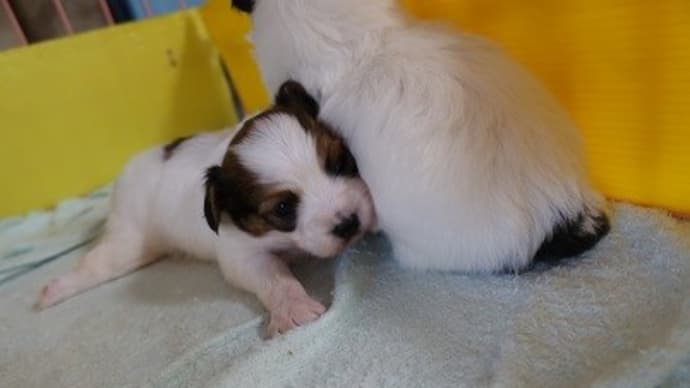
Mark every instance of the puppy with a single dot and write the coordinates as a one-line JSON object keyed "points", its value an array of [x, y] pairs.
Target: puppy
{"points": [[284, 185], [471, 164]]}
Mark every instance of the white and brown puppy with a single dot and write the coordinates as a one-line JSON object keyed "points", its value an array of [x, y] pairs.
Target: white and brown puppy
{"points": [[471, 164], [283, 185]]}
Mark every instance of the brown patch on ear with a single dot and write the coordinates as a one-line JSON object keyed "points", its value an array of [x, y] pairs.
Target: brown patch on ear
{"points": [[335, 156], [170, 148]]}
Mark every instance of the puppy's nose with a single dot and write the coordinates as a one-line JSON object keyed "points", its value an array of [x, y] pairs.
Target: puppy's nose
{"points": [[347, 228]]}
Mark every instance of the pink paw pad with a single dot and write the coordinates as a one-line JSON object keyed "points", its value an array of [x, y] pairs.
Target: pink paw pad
{"points": [[52, 293], [294, 312]]}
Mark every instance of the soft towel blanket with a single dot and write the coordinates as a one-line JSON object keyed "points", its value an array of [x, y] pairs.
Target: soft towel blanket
{"points": [[120, 334], [620, 316]]}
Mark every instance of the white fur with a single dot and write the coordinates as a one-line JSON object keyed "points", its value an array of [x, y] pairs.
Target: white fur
{"points": [[469, 161], [158, 209]]}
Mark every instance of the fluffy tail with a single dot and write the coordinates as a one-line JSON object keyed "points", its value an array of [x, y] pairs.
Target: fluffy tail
{"points": [[575, 235]]}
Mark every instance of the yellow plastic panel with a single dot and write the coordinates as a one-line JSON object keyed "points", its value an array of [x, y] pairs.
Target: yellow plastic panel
{"points": [[72, 111], [228, 29], [622, 68]]}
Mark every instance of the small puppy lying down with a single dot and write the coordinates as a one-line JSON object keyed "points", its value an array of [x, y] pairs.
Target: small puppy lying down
{"points": [[283, 185]]}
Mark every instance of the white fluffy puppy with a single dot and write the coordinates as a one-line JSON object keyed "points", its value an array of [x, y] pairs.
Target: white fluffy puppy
{"points": [[284, 185], [471, 164]]}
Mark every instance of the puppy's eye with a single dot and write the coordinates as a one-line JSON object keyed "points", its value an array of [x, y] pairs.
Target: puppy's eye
{"points": [[339, 166], [280, 211], [285, 209]]}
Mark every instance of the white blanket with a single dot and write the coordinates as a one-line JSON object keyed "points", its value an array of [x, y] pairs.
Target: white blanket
{"points": [[620, 316]]}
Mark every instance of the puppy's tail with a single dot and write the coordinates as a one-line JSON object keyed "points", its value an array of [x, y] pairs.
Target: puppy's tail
{"points": [[575, 235]]}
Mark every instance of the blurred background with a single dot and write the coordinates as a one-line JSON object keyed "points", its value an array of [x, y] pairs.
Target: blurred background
{"points": [[23, 22]]}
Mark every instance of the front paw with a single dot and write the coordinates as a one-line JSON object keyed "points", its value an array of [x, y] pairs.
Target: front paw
{"points": [[293, 308], [56, 291]]}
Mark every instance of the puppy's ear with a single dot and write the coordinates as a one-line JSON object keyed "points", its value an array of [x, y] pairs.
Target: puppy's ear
{"points": [[293, 95], [243, 5], [213, 200]]}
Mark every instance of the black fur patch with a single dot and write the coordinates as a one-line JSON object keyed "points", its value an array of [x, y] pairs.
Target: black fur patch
{"points": [[570, 239], [231, 189], [169, 149], [293, 95], [243, 5], [213, 200]]}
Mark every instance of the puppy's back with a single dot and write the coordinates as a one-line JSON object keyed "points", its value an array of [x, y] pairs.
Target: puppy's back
{"points": [[501, 170], [160, 192]]}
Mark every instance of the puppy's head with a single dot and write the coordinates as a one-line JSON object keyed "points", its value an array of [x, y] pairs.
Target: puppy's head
{"points": [[289, 176]]}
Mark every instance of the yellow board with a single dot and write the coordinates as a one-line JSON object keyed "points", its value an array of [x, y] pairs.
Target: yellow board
{"points": [[622, 68], [72, 111], [228, 29]]}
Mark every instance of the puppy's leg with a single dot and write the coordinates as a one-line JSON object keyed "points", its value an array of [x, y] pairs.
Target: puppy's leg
{"points": [[270, 279], [120, 251]]}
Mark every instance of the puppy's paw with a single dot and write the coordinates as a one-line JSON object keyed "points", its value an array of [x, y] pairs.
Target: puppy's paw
{"points": [[294, 308], [54, 292]]}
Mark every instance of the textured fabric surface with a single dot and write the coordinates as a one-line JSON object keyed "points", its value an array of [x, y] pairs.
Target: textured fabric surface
{"points": [[619, 316], [121, 333]]}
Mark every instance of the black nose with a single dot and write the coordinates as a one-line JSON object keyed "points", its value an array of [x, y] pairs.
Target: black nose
{"points": [[347, 228]]}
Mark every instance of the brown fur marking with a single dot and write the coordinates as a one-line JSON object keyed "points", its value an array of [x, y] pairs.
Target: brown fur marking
{"points": [[170, 148]]}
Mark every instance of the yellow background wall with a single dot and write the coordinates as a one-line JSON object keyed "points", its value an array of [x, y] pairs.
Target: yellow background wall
{"points": [[72, 111]]}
